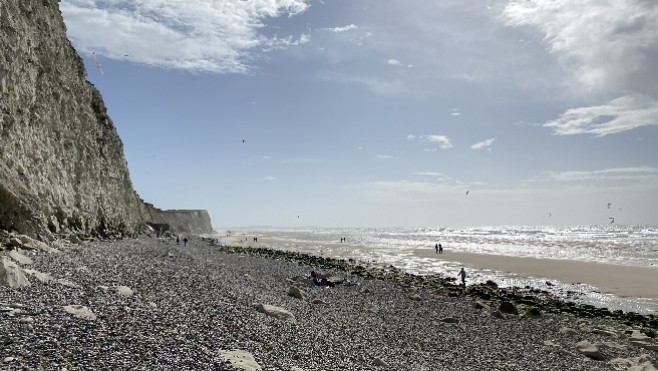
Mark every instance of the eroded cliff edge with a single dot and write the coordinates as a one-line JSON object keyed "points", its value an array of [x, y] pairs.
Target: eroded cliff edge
{"points": [[179, 221], [62, 165]]}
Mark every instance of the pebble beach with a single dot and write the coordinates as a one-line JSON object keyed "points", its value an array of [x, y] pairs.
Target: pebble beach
{"points": [[152, 304]]}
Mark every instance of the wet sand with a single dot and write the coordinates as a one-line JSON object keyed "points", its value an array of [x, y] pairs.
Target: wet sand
{"points": [[619, 280]]}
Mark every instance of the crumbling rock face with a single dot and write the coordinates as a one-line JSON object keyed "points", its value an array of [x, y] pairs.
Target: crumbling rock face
{"points": [[180, 221], [61, 160]]}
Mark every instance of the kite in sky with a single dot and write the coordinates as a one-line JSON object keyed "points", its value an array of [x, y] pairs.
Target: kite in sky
{"points": [[609, 204], [467, 193], [612, 220], [98, 65]]}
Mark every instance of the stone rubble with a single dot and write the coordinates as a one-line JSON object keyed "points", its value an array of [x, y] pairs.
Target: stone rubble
{"points": [[192, 308]]}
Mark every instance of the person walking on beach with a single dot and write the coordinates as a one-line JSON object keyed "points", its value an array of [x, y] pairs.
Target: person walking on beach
{"points": [[462, 274], [185, 241], [440, 249], [436, 248]]}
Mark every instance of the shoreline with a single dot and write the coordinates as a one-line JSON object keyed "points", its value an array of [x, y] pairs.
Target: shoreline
{"points": [[619, 280]]}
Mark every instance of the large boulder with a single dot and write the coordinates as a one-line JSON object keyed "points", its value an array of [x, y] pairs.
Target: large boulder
{"points": [[589, 350], [11, 274], [241, 359]]}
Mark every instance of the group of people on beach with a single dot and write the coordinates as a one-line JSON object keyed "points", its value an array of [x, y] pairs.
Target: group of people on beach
{"points": [[462, 273]]}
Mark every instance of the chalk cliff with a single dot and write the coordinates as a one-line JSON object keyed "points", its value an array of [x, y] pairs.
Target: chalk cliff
{"points": [[62, 166], [180, 221]]}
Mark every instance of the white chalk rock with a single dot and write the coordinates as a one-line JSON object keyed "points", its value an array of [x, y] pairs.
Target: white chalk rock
{"points": [[42, 277], [124, 290], [241, 359], [80, 311], [589, 350], [641, 363], [20, 258], [276, 312], [11, 275]]}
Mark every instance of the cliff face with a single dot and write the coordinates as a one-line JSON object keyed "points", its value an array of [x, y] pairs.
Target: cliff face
{"points": [[180, 221], [61, 159]]}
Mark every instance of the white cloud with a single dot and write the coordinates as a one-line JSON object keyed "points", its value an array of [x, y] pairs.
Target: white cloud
{"points": [[610, 47], [439, 176], [269, 178], [621, 114], [443, 140], [385, 157], [376, 85], [427, 173], [641, 173], [393, 62], [455, 112], [483, 144], [342, 29], [194, 35], [411, 137]]}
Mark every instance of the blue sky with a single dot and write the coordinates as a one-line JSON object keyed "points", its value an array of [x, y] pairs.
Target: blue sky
{"points": [[370, 113]]}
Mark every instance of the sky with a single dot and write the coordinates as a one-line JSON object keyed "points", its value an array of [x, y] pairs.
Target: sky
{"points": [[382, 113]]}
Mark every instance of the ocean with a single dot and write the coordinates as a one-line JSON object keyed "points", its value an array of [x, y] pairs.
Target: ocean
{"points": [[632, 245]]}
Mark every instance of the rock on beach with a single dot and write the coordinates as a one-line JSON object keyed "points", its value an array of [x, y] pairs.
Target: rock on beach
{"points": [[11, 274]]}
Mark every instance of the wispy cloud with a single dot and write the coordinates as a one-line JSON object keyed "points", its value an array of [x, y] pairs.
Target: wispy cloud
{"points": [[269, 178], [615, 174], [194, 35], [618, 115], [442, 140], [385, 157], [394, 62], [411, 137], [455, 112], [440, 177], [342, 29], [375, 84], [610, 47], [427, 173], [484, 144]]}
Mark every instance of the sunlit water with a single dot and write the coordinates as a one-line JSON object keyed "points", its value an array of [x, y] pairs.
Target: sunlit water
{"points": [[623, 245]]}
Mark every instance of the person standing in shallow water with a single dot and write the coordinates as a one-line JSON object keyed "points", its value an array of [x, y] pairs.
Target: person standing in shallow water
{"points": [[440, 249], [462, 274], [185, 241]]}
